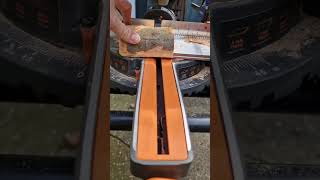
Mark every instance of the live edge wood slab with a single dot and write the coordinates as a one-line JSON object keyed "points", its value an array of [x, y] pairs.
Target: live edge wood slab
{"points": [[155, 42]]}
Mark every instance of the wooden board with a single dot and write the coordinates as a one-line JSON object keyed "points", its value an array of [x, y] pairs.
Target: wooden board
{"points": [[155, 42], [174, 39]]}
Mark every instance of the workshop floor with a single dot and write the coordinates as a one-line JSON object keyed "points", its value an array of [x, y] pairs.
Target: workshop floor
{"points": [[39, 129]]}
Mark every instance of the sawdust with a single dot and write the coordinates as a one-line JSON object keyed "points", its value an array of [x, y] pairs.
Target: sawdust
{"points": [[198, 41], [304, 33]]}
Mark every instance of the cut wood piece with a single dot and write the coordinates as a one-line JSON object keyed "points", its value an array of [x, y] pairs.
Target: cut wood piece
{"points": [[174, 39], [155, 42], [195, 26], [191, 39]]}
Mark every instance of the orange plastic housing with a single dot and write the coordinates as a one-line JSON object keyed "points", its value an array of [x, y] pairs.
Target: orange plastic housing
{"points": [[147, 149]]}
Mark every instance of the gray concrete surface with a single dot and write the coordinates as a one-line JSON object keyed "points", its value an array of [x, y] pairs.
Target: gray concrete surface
{"points": [[279, 138], [37, 129]]}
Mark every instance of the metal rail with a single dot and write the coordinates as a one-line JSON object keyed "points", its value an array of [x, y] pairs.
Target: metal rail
{"points": [[122, 121], [93, 160], [227, 161]]}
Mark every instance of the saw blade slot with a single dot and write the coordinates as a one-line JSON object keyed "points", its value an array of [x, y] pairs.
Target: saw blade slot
{"points": [[161, 115]]}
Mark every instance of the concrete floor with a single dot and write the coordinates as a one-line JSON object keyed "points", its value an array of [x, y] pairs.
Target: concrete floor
{"points": [[37, 129], [279, 138]]}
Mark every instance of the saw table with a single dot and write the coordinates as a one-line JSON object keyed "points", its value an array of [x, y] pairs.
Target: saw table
{"points": [[161, 144]]}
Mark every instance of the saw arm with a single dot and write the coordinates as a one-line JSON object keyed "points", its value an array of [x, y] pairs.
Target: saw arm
{"points": [[161, 142]]}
